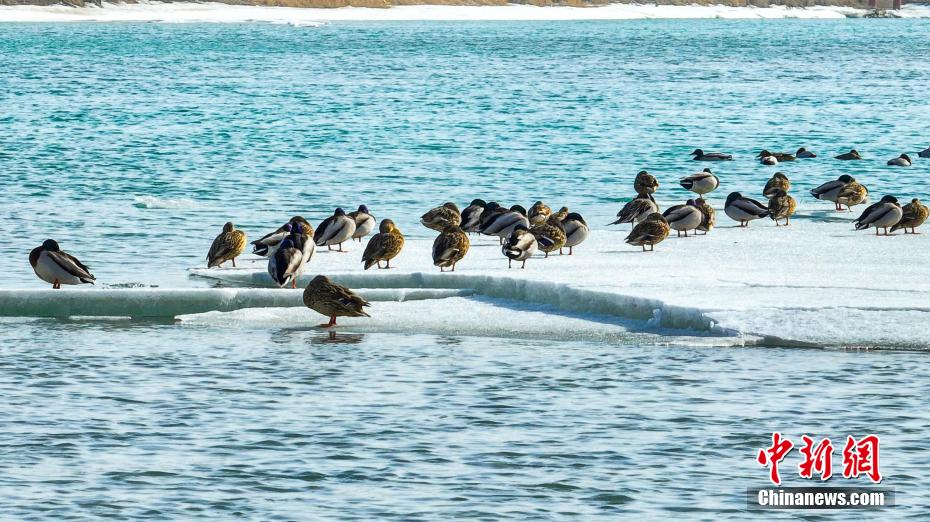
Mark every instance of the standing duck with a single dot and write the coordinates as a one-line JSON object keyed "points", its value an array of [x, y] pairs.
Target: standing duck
{"points": [[803, 153], [848, 156], [333, 300], [383, 246], [471, 216], [364, 222], [490, 212], [854, 193], [901, 161], [913, 215], [637, 209], [285, 264], [303, 240], [550, 236], [649, 232], [710, 216], [777, 182], [781, 206], [780, 156], [267, 244], [520, 246], [334, 230], [886, 213], [743, 209], [576, 231], [682, 218], [539, 213], [58, 267], [700, 155], [830, 191], [502, 224], [450, 247], [701, 183], [645, 183], [924, 153], [439, 217], [227, 246]]}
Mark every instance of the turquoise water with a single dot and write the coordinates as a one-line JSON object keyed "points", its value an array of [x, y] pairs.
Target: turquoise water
{"points": [[133, 143]]}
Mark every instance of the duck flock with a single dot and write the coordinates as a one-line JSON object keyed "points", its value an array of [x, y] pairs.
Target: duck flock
{"points": [[521, 233]]}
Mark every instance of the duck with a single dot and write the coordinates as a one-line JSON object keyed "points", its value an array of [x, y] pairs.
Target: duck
{"points": [[682, 218], [576, 231], [501, 224], [769, 160], [439, 217], [285, 264], [924, 153], [830, 191], [57, 267], [645, 183], [227, 246], [559, 215], [649, 232], [333, 300], [743, 209], [539, 213], [901, 161], [550, 236], [383, 246], [450, 247], [267, 244], [334, 230], [781, 206], [471, 216], [491, 211], [803, 153], [848, 156], [884, 214], [701, 182], [304, 242], [912, 216], [519, 246], [637, 209], [780, 156], [710, 216], [700, 155], [854, 193], [364, 222], [777, 182]]}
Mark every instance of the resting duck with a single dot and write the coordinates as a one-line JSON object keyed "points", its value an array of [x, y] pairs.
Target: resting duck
{"points": [[683, 218], [637, 209], [550, 236], [502, 223], [335, 230], [913, 215], [439, 217], [57, 267], [645, 183], [649, 232], [854, 193], [924, 153], [884, 214], [710, 216], [383, 246], [333, 300], [471, 216], [803, 153], [851, 155], [450, 247], [781, 206], [780, 156], [743, 209], [700, 155], [227, 246], [901, 161], [830, 191], [777, 182], [285, 264], [364, 222], [268, 243], [576, 231], [769, 160], [539, 213], [701, 183], [520, 246]]}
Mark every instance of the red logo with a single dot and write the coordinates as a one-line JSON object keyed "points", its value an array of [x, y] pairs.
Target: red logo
{"points": [[859, 457], [774, 454]]}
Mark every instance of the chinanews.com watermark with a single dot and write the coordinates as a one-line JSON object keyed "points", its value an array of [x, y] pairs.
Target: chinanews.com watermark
{"points": [[860, 458]]}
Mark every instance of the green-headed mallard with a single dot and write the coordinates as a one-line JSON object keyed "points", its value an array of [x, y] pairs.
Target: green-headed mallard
{"points": [[267, 244], [520, 246], [334, 230], [884, 214], [227, 246], [58, 267], [743, 209], [700, 155], [779, 156], [333, 300], [913, 215], [383, 246], [851, 155], [649, 232], [576, 231], [701, 182], [502, 223], [471, 216], [830, 191], [364, 222], [803, 153], [901, 161], [682, 218], [450, 247]]}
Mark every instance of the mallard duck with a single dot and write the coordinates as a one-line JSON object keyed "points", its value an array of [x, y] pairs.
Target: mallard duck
{"points": [[645, 183], [650, 231], [450, 247], [576, 231], [303, 240], [539, 213], [924, 153], [683, 218], [777, 182], [701, 182], [854, 193], [439, 217], [285, 264], [710, 216], [830, 191], [884, 214], [550, 236], [227, 246], [58, 267], [471, 216], [334, 230], [636, 210], [519, 246], [781, 206], [913, 215], [851, 155], [743, 209], [491, 211], [333, 300], [780, 156], [769, 160], [803, 153], [364, 222], [901, 161], [267, 244], [502, 224], [383, 246], [700, 155]]}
